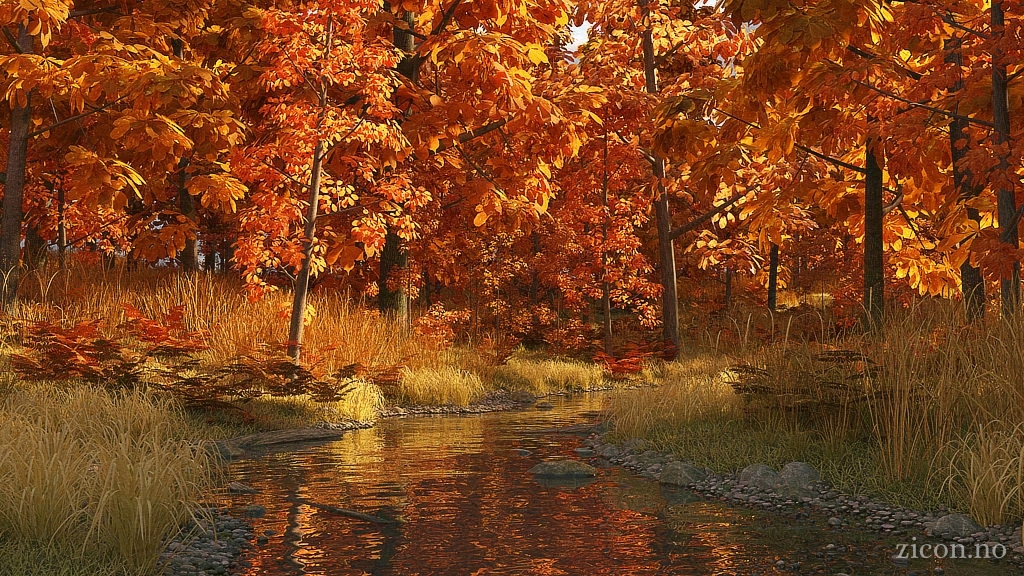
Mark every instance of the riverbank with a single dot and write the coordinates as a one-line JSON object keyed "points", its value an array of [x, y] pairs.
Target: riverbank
{"points": [[798, 492]]}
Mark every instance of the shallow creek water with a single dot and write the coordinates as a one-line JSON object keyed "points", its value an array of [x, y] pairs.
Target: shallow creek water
{"points": [[465, 504]]}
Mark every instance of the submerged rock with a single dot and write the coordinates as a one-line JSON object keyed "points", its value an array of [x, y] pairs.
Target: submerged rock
{"points": [[239, 488], [563, 469], [544, 405], [681, 474], [760, 476]]}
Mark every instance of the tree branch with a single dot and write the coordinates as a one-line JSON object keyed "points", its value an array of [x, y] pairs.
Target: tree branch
{"points": [[871, 56], [946, 113], [12, 40], [897, 202], [446, 19], [471, 135], [90, 11], [801, 147], [696, 222], [74, 118]]}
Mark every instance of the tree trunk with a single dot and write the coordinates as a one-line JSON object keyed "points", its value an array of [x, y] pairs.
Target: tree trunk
{"points": [[391, 297], [190, 255], [874, 273], [35, 249], [972, 285], [773, 278], [14, 187], [392, 300], [663, 217], [1009, 287], [295, 328], [728, 290], [606, 289]]}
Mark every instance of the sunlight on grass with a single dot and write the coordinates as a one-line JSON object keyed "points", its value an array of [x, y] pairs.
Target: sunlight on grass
{"points": [[938, 419], [107, 476], [546, 376], [440, 386]]}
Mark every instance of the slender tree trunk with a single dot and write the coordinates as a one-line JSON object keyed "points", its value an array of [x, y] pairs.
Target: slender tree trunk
{"points": [[773, 278], [62, 228], [728, 289], [392, 298], [606, 289], [295, 328], [35, 249], [1009, 287], [663, 217], [972, 285], [14, 187], [874, 262], [190, 255]]}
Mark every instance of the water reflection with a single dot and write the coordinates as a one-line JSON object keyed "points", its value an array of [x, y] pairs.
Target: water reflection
{"points": [[463, 503]]}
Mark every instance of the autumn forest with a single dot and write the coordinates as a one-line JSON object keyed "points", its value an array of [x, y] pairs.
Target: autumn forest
{"points": [[768, 231]]}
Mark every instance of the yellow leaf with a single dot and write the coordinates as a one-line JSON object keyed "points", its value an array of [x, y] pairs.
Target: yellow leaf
{"points": [[537, 55], [481, 217]]}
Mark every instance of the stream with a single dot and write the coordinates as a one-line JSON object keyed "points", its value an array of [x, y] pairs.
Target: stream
{"points": [[463, 503]]}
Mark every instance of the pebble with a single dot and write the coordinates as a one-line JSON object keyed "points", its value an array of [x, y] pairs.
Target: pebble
{"points": [[210, 545]]}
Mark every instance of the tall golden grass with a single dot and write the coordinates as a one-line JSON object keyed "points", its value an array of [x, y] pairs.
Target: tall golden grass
{"points": [[103, 479], [940, 421]]}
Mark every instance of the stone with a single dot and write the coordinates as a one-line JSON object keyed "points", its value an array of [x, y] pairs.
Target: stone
{"points": [[955, 526], [254, 511], [798, 476], [608, 451], [681, 474], [522, 452], [759, 476], [240, 488], [523, 397], [584, 452], [563, 469], [544, 405]]}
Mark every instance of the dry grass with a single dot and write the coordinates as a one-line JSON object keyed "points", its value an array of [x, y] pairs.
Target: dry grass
{"points": [[940, 421], [103, 477], [543, 376], [448, 386]]}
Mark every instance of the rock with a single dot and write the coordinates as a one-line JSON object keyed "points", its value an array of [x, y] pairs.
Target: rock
{"points": [[608, 451], [522, 452], [835, 522], [798, 476], [239, 488], [254, 511], [237, 447], [681, 474], [523, 397], [584, 452], [760, 476], [563, 469], [955, 526], [544, 405]]}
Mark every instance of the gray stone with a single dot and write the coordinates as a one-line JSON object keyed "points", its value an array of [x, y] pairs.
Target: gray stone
{"points": [[584, 452], [563, 469], [759, 476], [522, 452], [608, 451], [955, 526], [798, 475], [681, 474], [239, 488], [254, 511]]}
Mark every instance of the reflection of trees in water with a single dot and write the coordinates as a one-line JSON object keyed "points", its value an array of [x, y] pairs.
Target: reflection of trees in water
{"points": [[466, 503]]}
